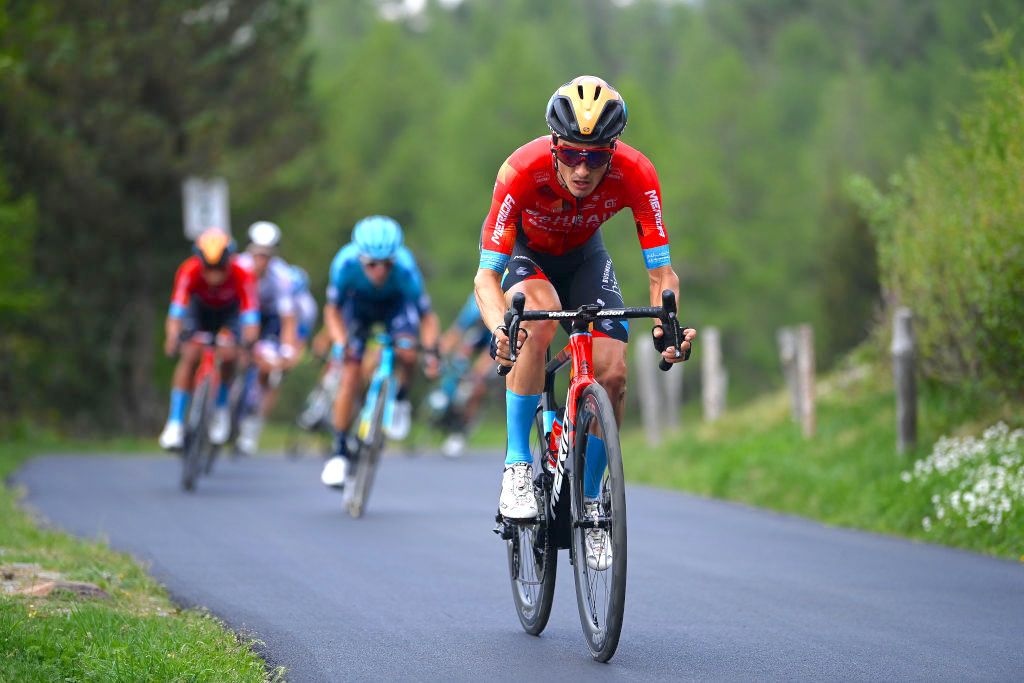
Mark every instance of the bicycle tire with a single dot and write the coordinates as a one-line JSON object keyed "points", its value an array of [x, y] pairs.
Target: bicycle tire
{"points": [[533, 581], [600, 594], [369, 455], [195, 437]]}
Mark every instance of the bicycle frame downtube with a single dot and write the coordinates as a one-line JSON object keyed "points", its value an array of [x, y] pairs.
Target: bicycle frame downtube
{"points": [[580, 348]]}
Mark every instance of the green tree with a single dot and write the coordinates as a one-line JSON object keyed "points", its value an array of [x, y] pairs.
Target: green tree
{"points": [[111, 106]]}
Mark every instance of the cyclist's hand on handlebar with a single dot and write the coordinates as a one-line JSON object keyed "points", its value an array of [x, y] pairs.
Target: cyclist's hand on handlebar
{"points": [[500, 346], [501, 349], [171, 346], [669, 353]]}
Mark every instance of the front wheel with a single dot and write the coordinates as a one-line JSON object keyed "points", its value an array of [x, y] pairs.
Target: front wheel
{"points": [[197, 440], [369, 455], [532, 554], [601, 590]]}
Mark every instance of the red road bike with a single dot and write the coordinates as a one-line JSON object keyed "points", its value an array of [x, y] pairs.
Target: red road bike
{"points": [[560, 453]]}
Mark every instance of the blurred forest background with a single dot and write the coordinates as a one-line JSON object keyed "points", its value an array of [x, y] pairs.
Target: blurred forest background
{"points": [[819, 161]]}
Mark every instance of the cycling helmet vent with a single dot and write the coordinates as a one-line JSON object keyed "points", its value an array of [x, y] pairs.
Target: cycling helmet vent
{"points": [[378, 237], [588, 110], [214, 247]]}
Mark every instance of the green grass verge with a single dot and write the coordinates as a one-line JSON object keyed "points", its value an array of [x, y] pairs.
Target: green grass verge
{"points": [[848, 474], [135, 635]]}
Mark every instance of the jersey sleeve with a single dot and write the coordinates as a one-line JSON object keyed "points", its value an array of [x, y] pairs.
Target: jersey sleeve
{"points": [[498, 235], [336, 280], [411, 281], [248, 298], [283, 288], [645, 202], [181, 294]]}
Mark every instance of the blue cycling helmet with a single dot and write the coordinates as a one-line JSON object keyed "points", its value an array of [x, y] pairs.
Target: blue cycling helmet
{"points": [[300, 280], [378, 237]]}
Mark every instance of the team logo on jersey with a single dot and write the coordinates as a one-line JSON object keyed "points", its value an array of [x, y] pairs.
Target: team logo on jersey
{"points": [[522, 271], [499, 223], [652, 197]]}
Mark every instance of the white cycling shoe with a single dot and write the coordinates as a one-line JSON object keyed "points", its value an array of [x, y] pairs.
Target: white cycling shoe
{"points": [[517, 499], [249, 434], [220, 426], [599, 546], [401, 421], [173, 436], [453, 445], [335, 471]]}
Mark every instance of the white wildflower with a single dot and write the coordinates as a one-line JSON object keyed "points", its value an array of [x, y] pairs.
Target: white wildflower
{"points": [[981, 479]]}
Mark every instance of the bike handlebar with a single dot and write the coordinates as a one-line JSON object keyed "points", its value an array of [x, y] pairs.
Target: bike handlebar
{"points": [[666, 313]]}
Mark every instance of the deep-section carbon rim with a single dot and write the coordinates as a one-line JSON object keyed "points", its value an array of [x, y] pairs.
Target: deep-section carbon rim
{"points": [[532, 557], [600, 594]]}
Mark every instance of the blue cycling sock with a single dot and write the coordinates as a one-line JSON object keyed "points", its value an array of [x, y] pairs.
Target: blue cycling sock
{"points": [[519, 412], [593, 469], [179, 402], [341, 442], [222, 394]]}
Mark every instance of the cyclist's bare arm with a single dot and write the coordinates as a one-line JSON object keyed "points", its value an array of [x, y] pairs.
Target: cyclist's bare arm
{"points": [[333, 323], [430, 330], [172, 331], [289, 330], [491, 300], [662, 278]]}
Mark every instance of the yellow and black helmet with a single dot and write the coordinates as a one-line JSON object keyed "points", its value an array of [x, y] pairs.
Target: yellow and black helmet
{"points": [[587, 109], [214, 247]]}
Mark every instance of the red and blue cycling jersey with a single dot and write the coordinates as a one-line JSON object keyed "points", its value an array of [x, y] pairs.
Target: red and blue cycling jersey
{"points": [[530, 204], [238, 287]]}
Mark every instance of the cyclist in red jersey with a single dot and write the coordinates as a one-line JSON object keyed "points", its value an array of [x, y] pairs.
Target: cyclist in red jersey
{"points": [[213, 294], [542, 237]]}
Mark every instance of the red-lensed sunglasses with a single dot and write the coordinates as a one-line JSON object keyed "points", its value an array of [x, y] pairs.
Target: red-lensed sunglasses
{"points": [[594, 157]]}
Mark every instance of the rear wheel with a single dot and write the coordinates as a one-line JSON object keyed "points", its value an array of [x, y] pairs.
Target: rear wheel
{"points": [[600, 593], [532, 556], [196, 437], [369, 455]]}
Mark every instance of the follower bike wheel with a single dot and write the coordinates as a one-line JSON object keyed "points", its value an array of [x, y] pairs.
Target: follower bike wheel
{"points": [[600, 593], [532, 557], [369, 455], [196, 437]]}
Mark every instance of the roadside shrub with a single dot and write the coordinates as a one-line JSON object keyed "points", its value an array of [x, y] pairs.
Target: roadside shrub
{"points": [[951, 240], [974, 483]]}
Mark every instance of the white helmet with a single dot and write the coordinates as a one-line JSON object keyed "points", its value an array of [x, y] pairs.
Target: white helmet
{"points": [[264, 234]]}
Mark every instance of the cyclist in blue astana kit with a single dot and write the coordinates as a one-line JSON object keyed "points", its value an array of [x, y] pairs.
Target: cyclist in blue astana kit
{"points": [[468, 341], [375, 279]]}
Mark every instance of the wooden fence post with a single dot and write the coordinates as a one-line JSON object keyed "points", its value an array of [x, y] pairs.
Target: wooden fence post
{"points": [[786, 337], [672, 390], [903, 377], [713, 380], [646, 361], [805, 375]]}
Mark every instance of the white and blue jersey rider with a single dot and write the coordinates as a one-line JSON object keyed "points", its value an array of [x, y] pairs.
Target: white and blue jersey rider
{"points": [[375, 279]]}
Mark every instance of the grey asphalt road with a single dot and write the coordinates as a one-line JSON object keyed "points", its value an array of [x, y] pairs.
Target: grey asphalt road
{"points": [[418, 588]]}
